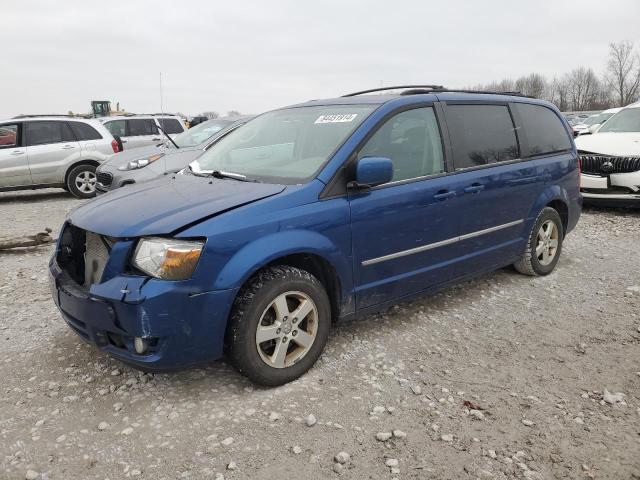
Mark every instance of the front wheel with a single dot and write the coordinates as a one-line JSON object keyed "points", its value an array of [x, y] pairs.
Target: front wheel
{"points": [[544, 245], [279, 325]]}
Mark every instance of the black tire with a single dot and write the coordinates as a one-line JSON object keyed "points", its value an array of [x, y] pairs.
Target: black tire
{"points": [[73, 175], [254, 299], [529, 263]]}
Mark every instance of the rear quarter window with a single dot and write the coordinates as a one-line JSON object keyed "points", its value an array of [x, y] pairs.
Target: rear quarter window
{"points": [[171, 125], [543, 131], [82, 131], [481, 135]]}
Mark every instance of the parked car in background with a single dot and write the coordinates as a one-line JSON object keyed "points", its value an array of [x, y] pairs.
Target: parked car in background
{"points": [[610, 160], [147, 163], [591, 123], [197, 120], [142, 130], [44, 152], [331, 209]]}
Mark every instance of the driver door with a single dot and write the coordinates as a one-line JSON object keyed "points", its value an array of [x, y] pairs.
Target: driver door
{"points": [[401, 230]]}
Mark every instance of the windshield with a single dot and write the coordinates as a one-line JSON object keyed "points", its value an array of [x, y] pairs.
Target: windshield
{"points": [[284, 146], [201, 133], [593, 119], [627, 120]]}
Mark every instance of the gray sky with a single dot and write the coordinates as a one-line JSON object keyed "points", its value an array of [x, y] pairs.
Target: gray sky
{"points": [[256, 55]]}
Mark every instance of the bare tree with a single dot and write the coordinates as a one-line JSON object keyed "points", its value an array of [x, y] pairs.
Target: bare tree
{"points": [[623, 72], [233, 113], [533, 85], [210, 115], [583, 88]]}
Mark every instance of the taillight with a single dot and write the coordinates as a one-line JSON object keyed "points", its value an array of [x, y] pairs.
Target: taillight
{"points": [[115, 147]]}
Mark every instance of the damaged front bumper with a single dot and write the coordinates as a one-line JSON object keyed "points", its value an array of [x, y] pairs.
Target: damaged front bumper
{"points": [[613, 189], [176, 326]]}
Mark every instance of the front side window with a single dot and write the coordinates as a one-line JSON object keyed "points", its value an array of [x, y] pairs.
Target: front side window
{"points": [[142, 126], [171, 125], [284, 146], [9, 135], [44, 133], [627, 120], [411, 139], [201, 133], [117, 127], [481, 134], [543, 130]]}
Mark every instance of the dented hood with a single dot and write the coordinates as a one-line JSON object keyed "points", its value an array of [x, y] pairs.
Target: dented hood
{"points": [[622, 144], [166, 205]]}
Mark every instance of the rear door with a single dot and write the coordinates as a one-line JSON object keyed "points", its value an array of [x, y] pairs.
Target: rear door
{"points": [[14, 167], [495, 188], [142, 132], [89, 138], [401, 230], [51, 148]]}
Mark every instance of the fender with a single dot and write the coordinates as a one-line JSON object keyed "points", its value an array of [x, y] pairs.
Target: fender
{"points": [[255, 255], [548, 195]]}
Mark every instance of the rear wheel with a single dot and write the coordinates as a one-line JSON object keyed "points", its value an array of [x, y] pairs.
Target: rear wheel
{"points": [[81, 181], [544, 245], [279, 325]]}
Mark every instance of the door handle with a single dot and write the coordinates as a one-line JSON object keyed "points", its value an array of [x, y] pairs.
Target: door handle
{"points": [[68, 147], [155, 139], [474, 188], [17, 152], [444, 195]]}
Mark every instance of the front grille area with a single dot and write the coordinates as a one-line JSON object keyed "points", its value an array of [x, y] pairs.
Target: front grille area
{"points": [[606, 164], [83, 255], [105, 178]]}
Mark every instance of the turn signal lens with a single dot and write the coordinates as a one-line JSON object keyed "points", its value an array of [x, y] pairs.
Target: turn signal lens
{"points": [[167, 259]]}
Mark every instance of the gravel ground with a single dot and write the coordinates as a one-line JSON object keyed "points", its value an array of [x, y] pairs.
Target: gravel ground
{"points": [[502, 377]]}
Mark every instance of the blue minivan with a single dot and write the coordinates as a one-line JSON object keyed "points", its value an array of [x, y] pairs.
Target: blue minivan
{"points": [[328, 210]]}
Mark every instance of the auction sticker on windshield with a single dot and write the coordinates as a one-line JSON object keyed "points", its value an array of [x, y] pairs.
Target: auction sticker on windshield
{"points": [[336, 118]]}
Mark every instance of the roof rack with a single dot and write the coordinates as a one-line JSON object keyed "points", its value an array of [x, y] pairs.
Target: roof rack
{"points": [[422, 89], [48, 115], [382, 89]]}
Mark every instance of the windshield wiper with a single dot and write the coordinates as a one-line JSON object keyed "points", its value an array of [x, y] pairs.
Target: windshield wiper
{"points": [[165, 134], [235, 176]]}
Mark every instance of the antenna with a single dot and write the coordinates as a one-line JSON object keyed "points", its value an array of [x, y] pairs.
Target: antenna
{"points": [[164, 145], [161, 107]]}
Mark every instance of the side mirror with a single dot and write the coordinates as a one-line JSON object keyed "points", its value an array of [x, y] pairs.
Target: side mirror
{"points": [[594, 128], [372, 171]]}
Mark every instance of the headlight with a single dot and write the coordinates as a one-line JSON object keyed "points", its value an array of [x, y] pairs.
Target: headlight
{"points": [[141, 162], [167, 258]]}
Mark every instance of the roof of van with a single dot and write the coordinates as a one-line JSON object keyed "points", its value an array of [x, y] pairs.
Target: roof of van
{"points": [[436, 95]]}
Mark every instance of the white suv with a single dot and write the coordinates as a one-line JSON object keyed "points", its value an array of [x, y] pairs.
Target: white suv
{"points": [[610, 160], [43, 152], [142, 130]]}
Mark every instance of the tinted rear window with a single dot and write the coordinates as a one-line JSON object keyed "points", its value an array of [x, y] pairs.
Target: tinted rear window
{"points": [[481, 134], [43, 133], [142, 126], [543, 130], [82, 131], [171, 125]]}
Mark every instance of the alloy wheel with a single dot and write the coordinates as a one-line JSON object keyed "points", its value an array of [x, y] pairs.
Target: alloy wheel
{"points": [[86, 182], [287, 329], [547, 242]]}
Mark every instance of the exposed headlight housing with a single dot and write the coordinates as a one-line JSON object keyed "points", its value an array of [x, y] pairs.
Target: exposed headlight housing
{"points": [[167, 258], [141, 162]]}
